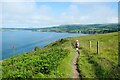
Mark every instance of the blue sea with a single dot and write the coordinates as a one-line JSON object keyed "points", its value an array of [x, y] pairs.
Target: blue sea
{"points": [[18, 42]]}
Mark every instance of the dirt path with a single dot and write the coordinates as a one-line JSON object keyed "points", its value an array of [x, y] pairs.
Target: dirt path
{"points": [[76, 73], [75, 66]]}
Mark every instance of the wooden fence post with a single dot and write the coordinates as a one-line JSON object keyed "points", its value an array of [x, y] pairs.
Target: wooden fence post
{"points": [[119, 53], [89, 46], [97, 47]]}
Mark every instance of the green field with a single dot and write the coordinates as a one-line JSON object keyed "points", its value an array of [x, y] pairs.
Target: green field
{"points": [[54, 60], [104, 64]]}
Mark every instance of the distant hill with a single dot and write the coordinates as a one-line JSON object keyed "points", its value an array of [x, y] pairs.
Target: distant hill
{"points": [[87, 29], [75, 28]]}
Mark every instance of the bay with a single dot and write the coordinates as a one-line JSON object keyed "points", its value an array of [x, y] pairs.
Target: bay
{"points": [[19, 42]]}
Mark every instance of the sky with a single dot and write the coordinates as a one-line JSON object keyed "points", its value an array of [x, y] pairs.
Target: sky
{"points": [[34, 14]]}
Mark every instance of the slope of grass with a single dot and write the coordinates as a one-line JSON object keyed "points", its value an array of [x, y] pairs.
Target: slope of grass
{"points": [[55, 60], [104, 64], [0, 69], [49, 62]]}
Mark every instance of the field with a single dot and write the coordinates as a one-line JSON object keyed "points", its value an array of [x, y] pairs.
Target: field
{"points": [[102, 65], [54, 60]]}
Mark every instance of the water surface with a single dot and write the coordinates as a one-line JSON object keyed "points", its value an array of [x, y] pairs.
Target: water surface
{"points": [[18, 42]]}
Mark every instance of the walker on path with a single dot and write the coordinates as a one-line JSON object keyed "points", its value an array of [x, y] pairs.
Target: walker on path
{"points": [[77, 46]]}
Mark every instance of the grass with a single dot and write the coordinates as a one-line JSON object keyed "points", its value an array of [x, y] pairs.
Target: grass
{"points": [[0, 69], [104, 64], [65, 65], [49, 62], [55, 60]]}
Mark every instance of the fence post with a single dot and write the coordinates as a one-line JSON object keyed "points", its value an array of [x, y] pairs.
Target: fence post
{"points": [[118, 53], [97, 47], [89, 46]]}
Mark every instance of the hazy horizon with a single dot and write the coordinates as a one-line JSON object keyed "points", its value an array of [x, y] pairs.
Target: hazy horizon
{"points": [[55, 25]]}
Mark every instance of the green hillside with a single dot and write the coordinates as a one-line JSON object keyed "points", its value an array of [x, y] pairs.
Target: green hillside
{"points": [[54, 60], [102, 65], [73, 28], [86, 28], [44, 63]]}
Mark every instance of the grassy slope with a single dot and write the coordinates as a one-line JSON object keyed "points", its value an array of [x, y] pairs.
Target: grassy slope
{"points": [[104, 64], [90, 64], [49, 62]]}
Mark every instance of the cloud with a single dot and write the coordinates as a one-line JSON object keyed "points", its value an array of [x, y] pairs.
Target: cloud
{"points": [[22, 14], [18, 0], [18, 7], [59, 0], [93, 14], [94, 0], [28, 14], [77, 0], [44, 9], [0, 15], [102, 14]]}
